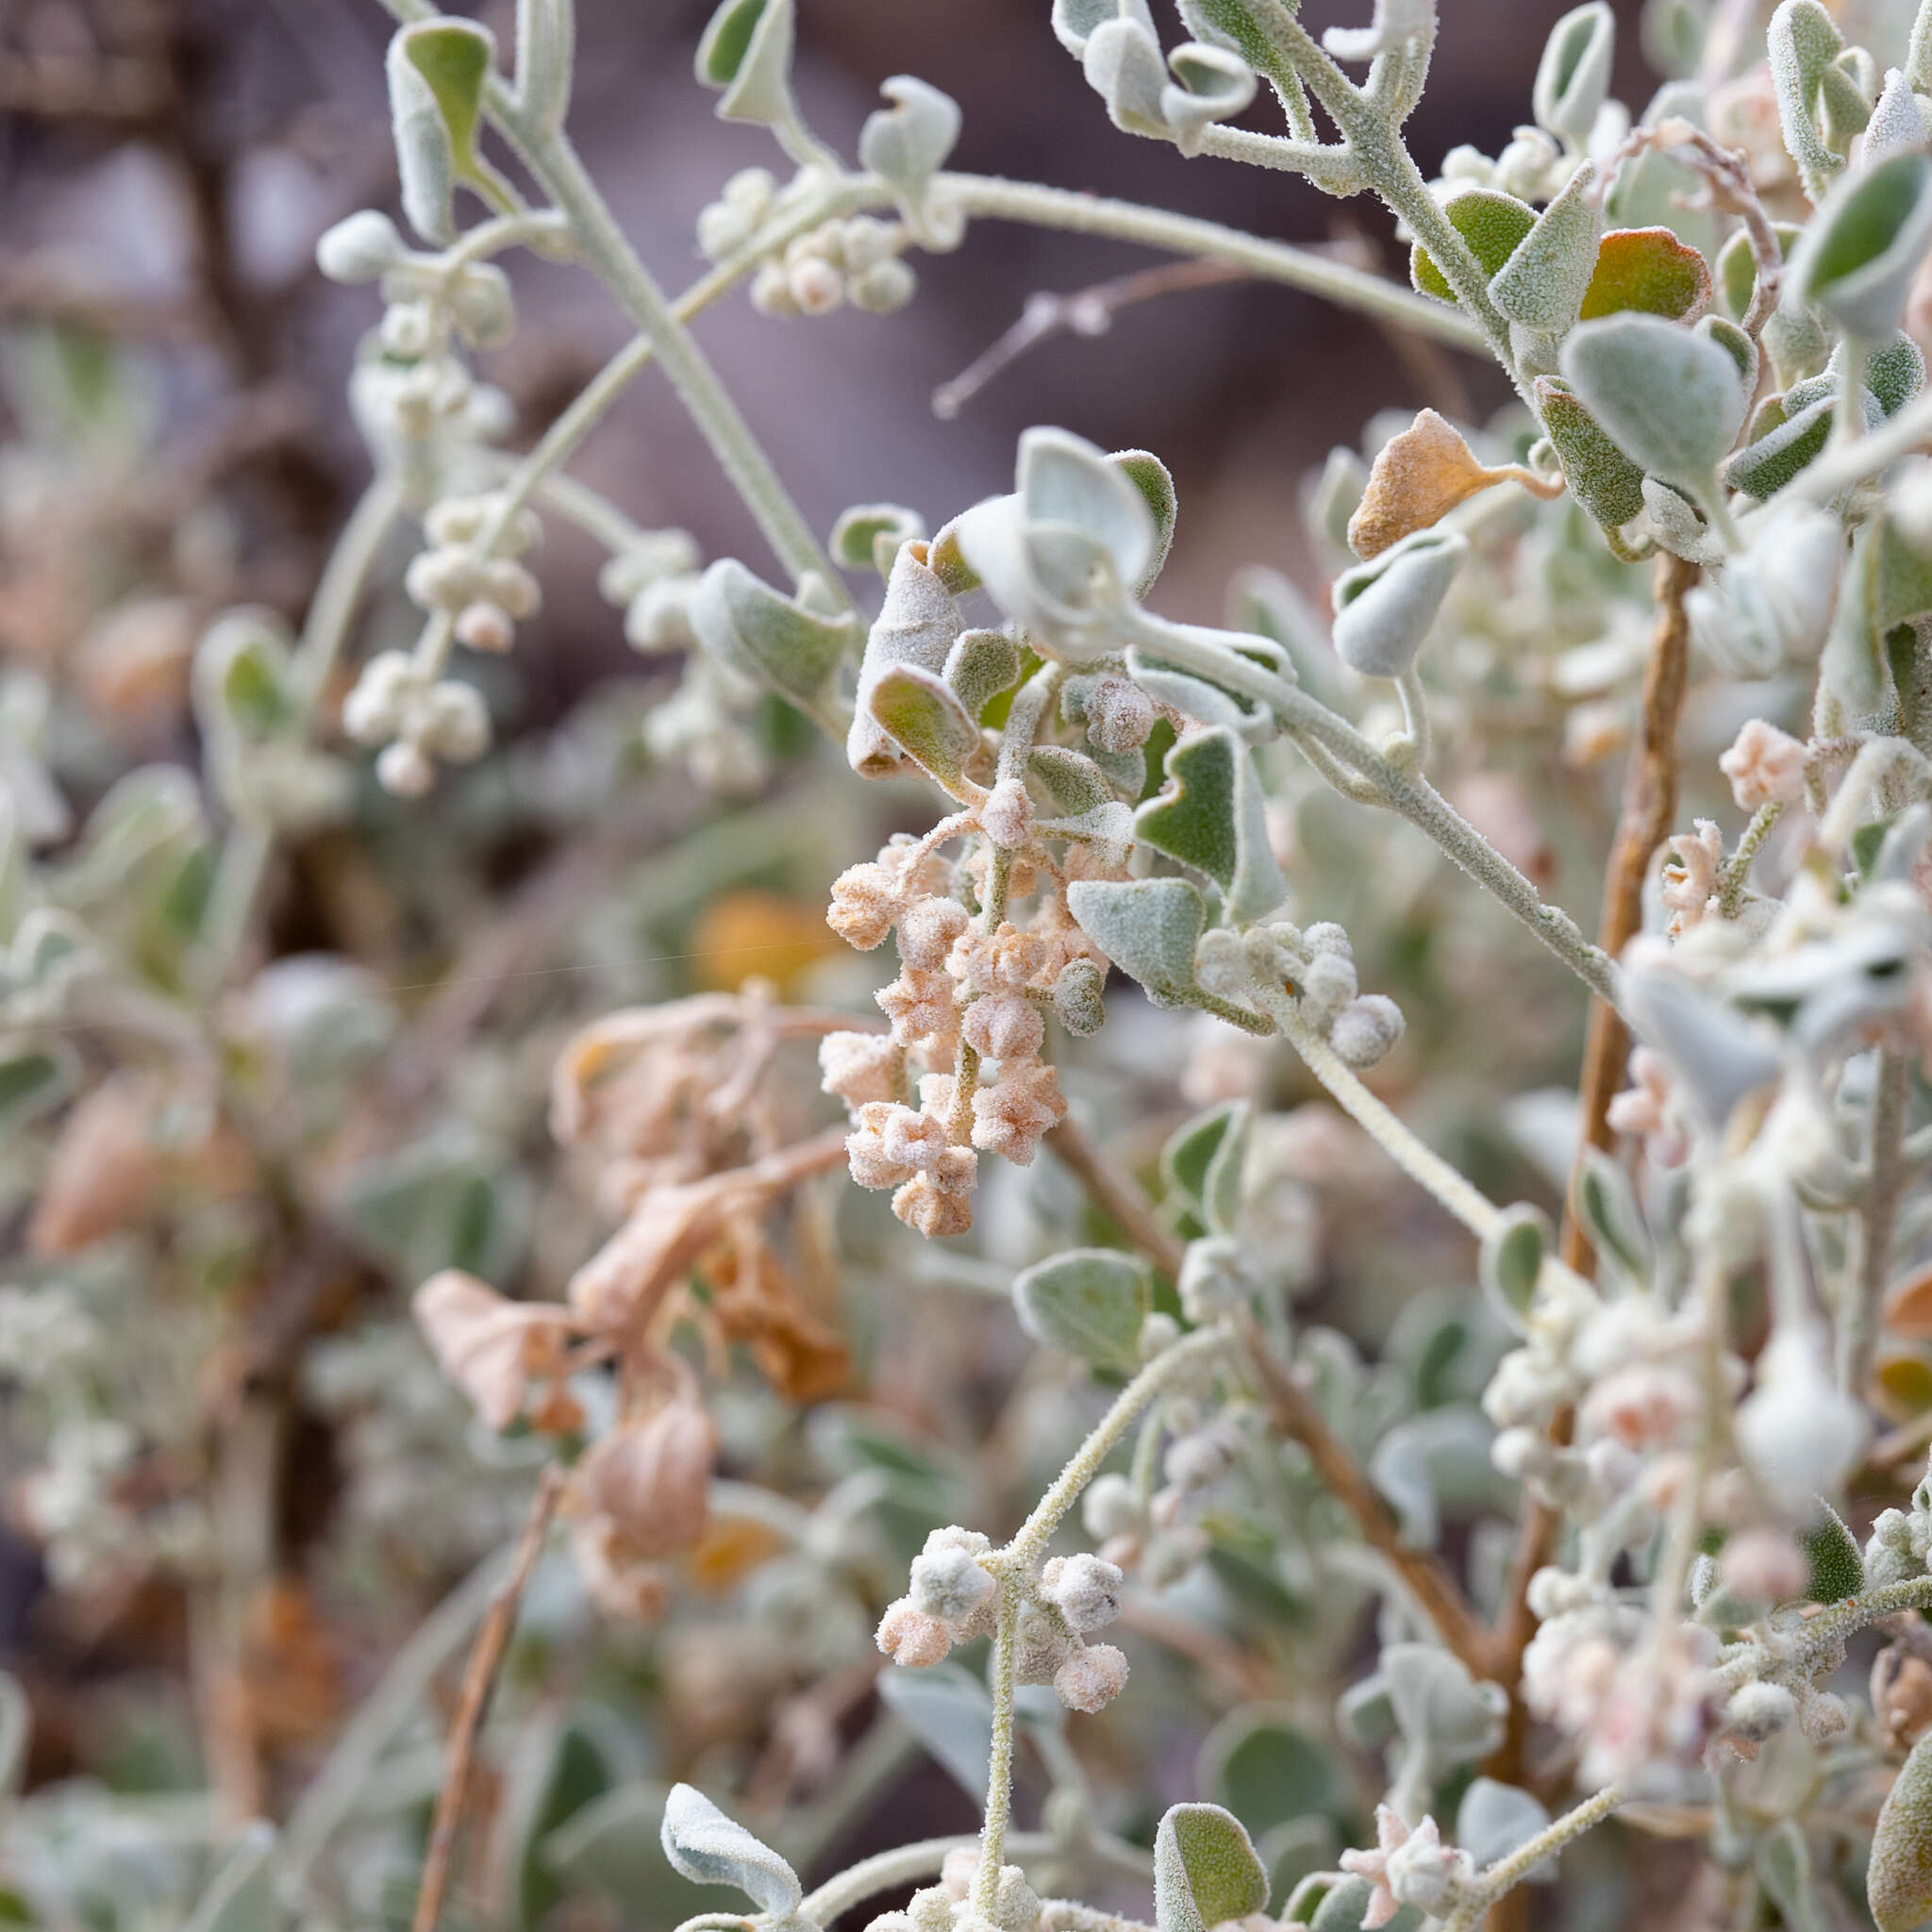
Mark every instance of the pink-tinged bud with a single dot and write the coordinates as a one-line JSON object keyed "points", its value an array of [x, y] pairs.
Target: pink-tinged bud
{"points": [[1091, 1678], [911, 1637]]}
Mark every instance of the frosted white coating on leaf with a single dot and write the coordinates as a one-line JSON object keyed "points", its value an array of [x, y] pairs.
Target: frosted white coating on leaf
{"points": [[1668, 397], [709, 1848], [1898, 1881]]}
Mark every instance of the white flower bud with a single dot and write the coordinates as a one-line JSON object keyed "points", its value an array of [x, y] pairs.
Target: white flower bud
{"points": [[771, 290], [1007, 817], [1108, 1507], [1158, 1333], [817, 288], [485, 626], [883, 289], [511, 586], [372, 711], [454, 721], [482, 306], [946, 1582], [1084, 1591], [404, 770], [360, 247], [1212, 1278], [1366, 1030], [408, 330], [1091, 1678], [1327, 986]]}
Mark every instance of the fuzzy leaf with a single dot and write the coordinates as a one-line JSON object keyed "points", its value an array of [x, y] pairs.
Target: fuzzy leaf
{"points": [[1489, 221], [868, 536], [1150, 476], [775, 640], [1211, 818], [1495, 1819], [1210, 84], [746, 50], [1836, 1564], [947, 1708], [1266, 1770], [1736, 275], [918, 712], [1419, 476], [1803, 44], [1574, 74], [1512, 1256], [1609, 1211], [907, 145], [1783, 1863], [918, 625], [709, 1848], [1601, 477], [1203, 1161], [1898, 1881], [1343, 1906], [1088, 1303], [1147, 927], [1669, 397], [1855, 261], [1440, 1707], [1073, 778], [1204, 1870], [1895, 373], [1765, 465], [981, 665], [436, 71], [1384, 609], [1650, 272], [1543, 283]]}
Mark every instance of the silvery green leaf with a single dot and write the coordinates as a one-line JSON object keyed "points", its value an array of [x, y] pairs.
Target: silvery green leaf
{"points": [[1151, 478], [1070, 777], [1895, 372], [1262, 600], [1574, 74], [1147, 927], [1122, 64], [1212, 816], [1204, 1870], [709, 1849], [1297, 1847], [1088, 1303], [241, 1895], [1543, 282], [1673, 524], [947, 1708], [558, 1768], [1736, 345], [1774, 605], [774, 640], [1608, 1207], [1340, 1903], [869, 535], [1266, 1770], [1393, 24], [1836, 1565], [243, 688], [437, 72], [1494, 1820], [1075, 21], [1653, 190], [1204, 1161], [980, 665], [1802, 42], [1857, 258], [1215, 86], [1897, 123], [916, 625], [1669, 397], [546, 50], [1384, 607], [1783, 1864], [1065, 481], [1766, 464], [1440, 1707], [1334, 498], [1196, 699], [1719, 1054], [613, 1846], [1601, 477], [746, 50], [907, 143], [918, 712], [1898, 1881], [1511, 1259], [1441, 1456]]}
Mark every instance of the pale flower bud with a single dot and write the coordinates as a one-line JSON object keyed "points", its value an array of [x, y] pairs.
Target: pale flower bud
{"points": [[652, 1476], [883, 289], [1091, 1678], [949, 1585], [1003, 1028], [816, 286], [910, 1637], [372, 711], [1367, 1029], [1766, 766], [406, 771], [927, 930], [860, 1067], [1108, 1507], [1765, 1566], [864, 903], [1084, 1591], [484, 627], [360, 247], [1119, 715], [1007, 817]]}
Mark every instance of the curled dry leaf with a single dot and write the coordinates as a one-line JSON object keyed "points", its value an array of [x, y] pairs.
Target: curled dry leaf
{"points": [[1908, 1306], [1420, 475]]}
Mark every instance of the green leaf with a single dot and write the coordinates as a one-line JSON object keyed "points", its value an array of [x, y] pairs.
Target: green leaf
{"points": [[1543, 283], [1203, 1162], [571, 1765], [1073, 779], [1148, 928], [1495, 1819], [907, 143], [1440, 1707], [1211, 817], [1898, 1880], [1783, 1863], [437, 72], [1836, 1564], [981, 666], [1088, 1303], [1574, 74], [1384, 607], [1609, 1213], [709, 1848], [1803, 44], [1856, 261], [611, 1846], [775, 640], [1895, 373], [1343, 1904], [1150, 476], [1737, 267], [746, 50], [241, 1895], [1204, 1870], [1767, 463], [1647, 270], [947, 1708], [868, 536], [1489, 221], [1601, 477], [1266, 1770], [919, 713], [1512, 1258], [1670, 398]]}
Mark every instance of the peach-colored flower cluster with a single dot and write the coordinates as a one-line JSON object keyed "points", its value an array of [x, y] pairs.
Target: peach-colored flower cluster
{"points": [[967, 999]]}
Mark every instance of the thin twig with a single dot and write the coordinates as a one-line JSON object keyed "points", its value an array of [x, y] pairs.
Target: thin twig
{"points": [[1118, 1196], [478, 1676], [1650, 805]]}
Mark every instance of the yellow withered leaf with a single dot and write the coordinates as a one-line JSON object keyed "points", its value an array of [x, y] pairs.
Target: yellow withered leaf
{"points": [[1419, 476]]}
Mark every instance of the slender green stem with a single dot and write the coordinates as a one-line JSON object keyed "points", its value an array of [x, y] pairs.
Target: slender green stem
{"points": [[1865, 1285], [1736, 872], [999, 1782], [1507, 1874]]}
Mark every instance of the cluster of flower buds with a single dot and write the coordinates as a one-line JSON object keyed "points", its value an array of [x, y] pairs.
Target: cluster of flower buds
{"points": [[416, 383], [483, 590], [1410, 1866], [1161, 1542], [1015, 1907], [859, 261], [955, 1597], [417, 720], [651, 580], [1317, 964], [964, 996]]}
